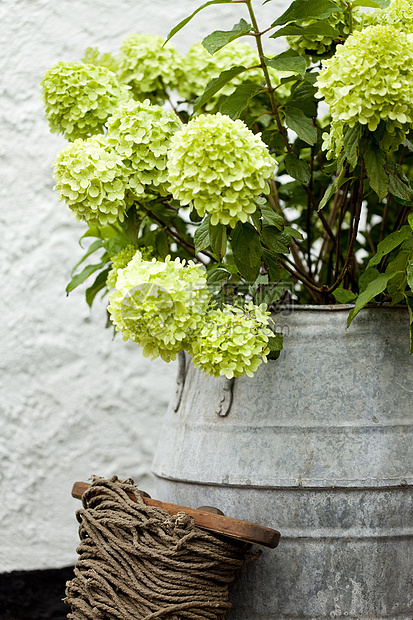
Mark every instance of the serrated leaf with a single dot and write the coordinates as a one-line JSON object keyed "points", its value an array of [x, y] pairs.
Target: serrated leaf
{"points": [[301, 124], [218, 239], [288, 61], [215, 85], [218, 39], [375, 287], [272, 217], [235, 104], [183, 23], [216, 278], [343, 296], [399, 184], [97, 286], [161, 244], [276, 240], [318, 28], [366, 277], [375, 161], [247, 250], [201, 236], [388, 244], [352, 137], [116, 244], [293, 232], [297, 168], [274, 268], [83, 275], [306, 9], [410, 220]]}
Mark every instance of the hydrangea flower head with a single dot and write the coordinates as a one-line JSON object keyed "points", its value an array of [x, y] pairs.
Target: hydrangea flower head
{"points": [[220, 167], [159, 304], [200, 67], [119, 261], [90, 178], [80, 97], [147, 66], [369, 80], [140, 133], [232, 341], [398, 14]]}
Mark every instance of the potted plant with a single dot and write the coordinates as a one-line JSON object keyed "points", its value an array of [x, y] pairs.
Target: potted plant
{"points": [[234, 198]]}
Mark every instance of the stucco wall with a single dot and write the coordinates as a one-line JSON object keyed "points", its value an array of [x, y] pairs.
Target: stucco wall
{"points": [[73, 401]]}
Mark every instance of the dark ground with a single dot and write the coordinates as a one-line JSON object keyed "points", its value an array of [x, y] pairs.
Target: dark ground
{"points": [[34, 595]]}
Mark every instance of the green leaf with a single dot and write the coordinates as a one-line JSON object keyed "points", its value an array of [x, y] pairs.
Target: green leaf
{"points": [[276, 240], [352, 137], [366, 277], [116, 244], [235, 104], [410, 220], [331, 190], [374, 4], [83, 275], [218, 39], [201, 236], [247, 250], [399, 184], [343, 296], [272, 217], [215, 86], [293, 232], [183, 23], [409, 273], [375, 287], [307, 9], [390, 243], [97, 286], [288, 61], [297, 168], [216, 278], [96, 245], [274, 269], [375, 160], [218, 239], [161, 244], [319, 28], [301, 124]]}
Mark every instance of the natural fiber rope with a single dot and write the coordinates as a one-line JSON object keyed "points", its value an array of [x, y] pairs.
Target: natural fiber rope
{"points": [[138, 562]]}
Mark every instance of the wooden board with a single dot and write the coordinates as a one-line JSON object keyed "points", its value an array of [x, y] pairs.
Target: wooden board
{"points": [[218, 524]]}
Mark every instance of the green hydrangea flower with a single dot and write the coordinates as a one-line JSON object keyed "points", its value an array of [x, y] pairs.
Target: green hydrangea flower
{"points": [[91, 179], [148, 67], [381, 89], [232, 341], [398, 14], [140, 133], [320, 45], [79, 98], [219, 167], [200, 67], [159, 304], [119, 261], [92, 56]]}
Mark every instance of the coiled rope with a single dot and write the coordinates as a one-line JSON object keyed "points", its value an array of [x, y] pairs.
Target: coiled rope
{"points": [[137, 562]]}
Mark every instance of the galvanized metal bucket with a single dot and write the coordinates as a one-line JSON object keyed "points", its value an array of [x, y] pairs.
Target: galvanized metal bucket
{"points": [[319, 446]]}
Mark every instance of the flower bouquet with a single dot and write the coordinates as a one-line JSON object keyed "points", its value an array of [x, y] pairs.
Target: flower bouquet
{"points": [[219, 185]]}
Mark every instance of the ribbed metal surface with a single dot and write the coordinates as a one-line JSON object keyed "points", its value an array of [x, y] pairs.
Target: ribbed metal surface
{"points": [[318, 445]]}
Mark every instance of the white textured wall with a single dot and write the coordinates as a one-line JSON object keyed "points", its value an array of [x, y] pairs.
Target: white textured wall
{"points": [[73, 402]]}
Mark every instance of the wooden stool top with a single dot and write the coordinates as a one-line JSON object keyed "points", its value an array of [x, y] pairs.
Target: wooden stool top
{"points": [[215, 523]]}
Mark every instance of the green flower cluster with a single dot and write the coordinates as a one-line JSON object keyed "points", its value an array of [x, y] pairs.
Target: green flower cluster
{"points": [[232, 341], [369, 80], [159, 304], [200, 67], [140, 134], [119, 261], [398, 14], [80, 97], [220, 167], [92, 56], [91, 179], [147, 66], [319, 45]]}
